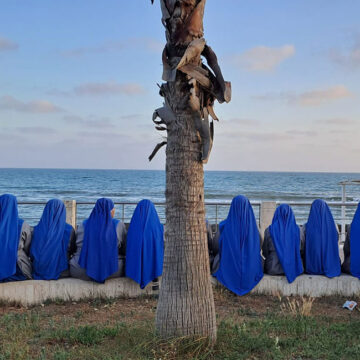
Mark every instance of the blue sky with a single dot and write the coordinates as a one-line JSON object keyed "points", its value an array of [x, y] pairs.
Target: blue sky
{"points": [[78, 84]]}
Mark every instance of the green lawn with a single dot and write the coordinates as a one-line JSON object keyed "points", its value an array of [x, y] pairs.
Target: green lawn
{"points": [[123, 329]]}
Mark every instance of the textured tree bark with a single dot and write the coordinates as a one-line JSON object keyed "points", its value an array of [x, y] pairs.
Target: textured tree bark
{"points": [[186, 303]]}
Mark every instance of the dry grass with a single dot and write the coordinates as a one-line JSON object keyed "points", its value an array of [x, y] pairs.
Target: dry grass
{"points": [[297, 306]]}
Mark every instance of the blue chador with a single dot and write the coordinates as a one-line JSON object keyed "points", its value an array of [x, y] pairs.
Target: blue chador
{"points": [[240, 267], [144, 245], [321, 242], [10, 229], [355, 244], [99, 253], [285, 235], [50, 242]]}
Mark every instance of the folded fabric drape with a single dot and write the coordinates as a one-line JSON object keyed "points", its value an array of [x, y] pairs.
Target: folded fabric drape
{"points": [[240, 267]]}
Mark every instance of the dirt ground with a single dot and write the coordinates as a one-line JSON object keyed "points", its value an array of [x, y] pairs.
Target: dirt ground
{"points": [[227, 305]]}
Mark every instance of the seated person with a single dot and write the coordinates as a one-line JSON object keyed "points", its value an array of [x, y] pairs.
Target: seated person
{"points": [[321, 242], [100, 243], [351, 264], [239, 261], [281, 247], [51, 243], [15, 240], [144, 245]]}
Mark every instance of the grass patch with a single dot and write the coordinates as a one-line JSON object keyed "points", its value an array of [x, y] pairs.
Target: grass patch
{"points": [[123, 329]]}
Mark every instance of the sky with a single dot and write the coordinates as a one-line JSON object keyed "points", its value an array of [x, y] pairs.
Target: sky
{"points": [[78, 84]]}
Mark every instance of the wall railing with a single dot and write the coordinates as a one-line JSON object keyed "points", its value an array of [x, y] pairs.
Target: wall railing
{"points": [[216, 211]]}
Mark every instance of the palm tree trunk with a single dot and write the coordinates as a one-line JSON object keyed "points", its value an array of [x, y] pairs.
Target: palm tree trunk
{"points": [[186, 303]]}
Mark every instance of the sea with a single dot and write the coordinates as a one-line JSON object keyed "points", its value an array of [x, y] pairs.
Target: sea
{"points": [[131, 186]]}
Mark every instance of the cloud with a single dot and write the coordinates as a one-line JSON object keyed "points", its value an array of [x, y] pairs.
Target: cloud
{"points": [[265, 136], [339, 121], [309, 98], [56, 92], [257, 136], [109, 88], [102, 135], [7, 45], [8, 102], [11, 138], [263, 58], [302, 132], [243, 122], [349, 58], [318, 97], [131, 117], [91, 122], [38, 130]]}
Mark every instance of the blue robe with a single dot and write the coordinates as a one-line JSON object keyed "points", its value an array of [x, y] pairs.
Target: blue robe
{"points": [[144, 245], [99, 253], [285, 235], [10, 229], [50, 242], [355, 244], [321, 242], [240, 267]]}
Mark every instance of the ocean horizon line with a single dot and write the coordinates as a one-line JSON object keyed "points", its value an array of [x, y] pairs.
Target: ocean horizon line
{"points": [[163, 170]]}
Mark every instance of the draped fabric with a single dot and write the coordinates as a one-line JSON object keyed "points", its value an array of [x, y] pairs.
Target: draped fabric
{"points": [[50, 242], [99, 253], [321, 242], [240, 267], [10, 229], [285, 235], [144, 245], [355, 244]]}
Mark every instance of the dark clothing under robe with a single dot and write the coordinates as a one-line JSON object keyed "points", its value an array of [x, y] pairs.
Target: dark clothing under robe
{"points": [[345, 267], [76, 271], [71, 251], [272, 265], [213, 244]]}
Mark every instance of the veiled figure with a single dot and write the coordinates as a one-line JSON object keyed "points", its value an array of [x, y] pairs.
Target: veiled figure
{"points": [[321, 242], [99, 243], [15, 239], [351, 264], [144, 245], [50, 245], [281, 247], [240, 263]]}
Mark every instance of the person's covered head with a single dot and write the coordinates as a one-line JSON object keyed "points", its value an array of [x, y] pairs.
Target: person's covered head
{"points": [[284, 213], [104, 207], [54, 212], [8, 205]]}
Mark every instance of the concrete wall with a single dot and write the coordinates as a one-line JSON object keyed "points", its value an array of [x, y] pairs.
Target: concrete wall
{"points": [[307, 285], [35, 292]]}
